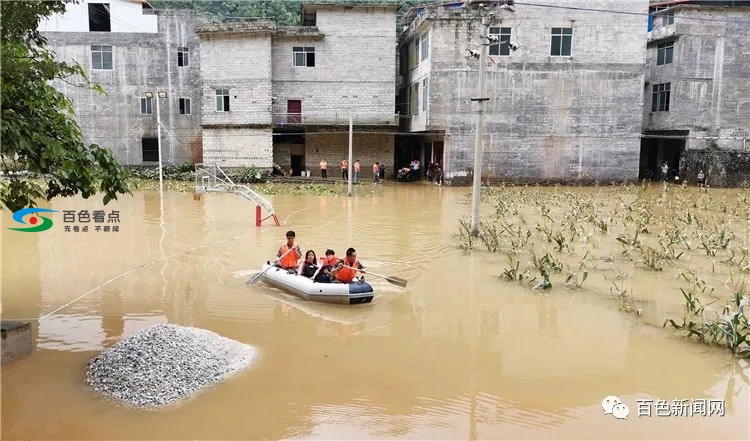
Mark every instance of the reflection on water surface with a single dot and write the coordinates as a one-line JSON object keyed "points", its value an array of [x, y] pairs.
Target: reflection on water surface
{"points": [[459, 354]]}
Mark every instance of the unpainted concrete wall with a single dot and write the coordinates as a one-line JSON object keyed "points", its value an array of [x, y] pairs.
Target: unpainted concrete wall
{"points": [[354, 66], [709, 76], [334, 147], [548, 117], [141, 62]]}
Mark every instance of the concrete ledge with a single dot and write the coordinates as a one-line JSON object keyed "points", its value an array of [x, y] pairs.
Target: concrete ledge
{"points": [[15, 340]]}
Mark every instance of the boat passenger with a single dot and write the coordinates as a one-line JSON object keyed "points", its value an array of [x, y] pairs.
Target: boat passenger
{"points": [[344, 274], [326, 264], [330, 259], [309, 266], [289, 260]]}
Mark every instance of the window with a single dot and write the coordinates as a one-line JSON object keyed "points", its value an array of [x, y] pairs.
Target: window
{"points": [[222, 100], [150, 149], [101, 57], [409, 110], [184, 106], [183, 56], [667, 18], [503, 45], [660, 98], [146, 6], [664, 53], [416, 52], [425, 48], [424, 95], [303, 56], [415, 99], [146, 108], [309, 19], [99, 17], [562, 41]]}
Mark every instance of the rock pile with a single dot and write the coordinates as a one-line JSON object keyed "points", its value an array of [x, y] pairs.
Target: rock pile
{"points": [[163, 364]]}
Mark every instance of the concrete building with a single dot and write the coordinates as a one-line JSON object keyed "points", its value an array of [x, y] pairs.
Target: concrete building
{"points": [[130, 49], [696, 112], [565, 89], [284, 94]]}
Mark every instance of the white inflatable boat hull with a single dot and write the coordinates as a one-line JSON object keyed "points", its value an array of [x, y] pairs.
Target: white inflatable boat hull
{"points": [[303, 287]]}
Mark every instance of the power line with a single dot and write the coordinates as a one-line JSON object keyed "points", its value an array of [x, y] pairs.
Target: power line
{"points": [[611, 11]]}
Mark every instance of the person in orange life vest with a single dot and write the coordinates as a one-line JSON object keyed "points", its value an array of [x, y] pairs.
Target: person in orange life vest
{"points": [[346, 275], [330, 259], [357, 170], [323, 273], [345, 169], [289, 261]]}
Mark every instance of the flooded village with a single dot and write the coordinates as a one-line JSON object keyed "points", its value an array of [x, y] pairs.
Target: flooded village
{"points": [[591, 281]]}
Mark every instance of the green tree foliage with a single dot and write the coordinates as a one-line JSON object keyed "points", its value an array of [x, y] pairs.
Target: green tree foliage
{"points": [[285, 12], [39, 130]]}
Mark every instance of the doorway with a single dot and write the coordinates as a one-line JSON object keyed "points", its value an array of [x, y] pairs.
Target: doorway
{"points": [[294, 112], [298, 159], [658, 149]]}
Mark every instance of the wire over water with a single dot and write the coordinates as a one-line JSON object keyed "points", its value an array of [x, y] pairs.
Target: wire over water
{"points": [[151, 263]]}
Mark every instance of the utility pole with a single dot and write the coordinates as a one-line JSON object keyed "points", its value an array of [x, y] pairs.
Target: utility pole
{"points": [[479, 140], [351, 139]]}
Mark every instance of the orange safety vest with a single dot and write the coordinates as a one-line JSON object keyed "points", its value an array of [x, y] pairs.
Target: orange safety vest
{"points": [[346, 275], [357, 167], [344, 164], [375, 168], [290, 260], [328, 261]]}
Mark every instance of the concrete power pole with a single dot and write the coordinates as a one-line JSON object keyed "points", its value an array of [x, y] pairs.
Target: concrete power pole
{"points": [[349, 164], [479, 140]]}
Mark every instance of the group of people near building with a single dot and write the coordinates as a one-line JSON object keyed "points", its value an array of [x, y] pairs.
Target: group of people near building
{"points": [[378, 171], [413, 173], [330, 269]]}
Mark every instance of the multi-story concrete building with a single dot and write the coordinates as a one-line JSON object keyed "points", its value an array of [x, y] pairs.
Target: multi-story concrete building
{"points": [[130, 50], [564, 82], [696, 112], [284, 94]]}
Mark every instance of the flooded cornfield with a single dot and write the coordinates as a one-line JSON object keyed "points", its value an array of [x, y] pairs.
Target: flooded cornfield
{"points": [[520, 333]]}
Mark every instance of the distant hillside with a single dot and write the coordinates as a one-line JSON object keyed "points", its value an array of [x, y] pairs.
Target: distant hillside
{"points": [[285, 12]]}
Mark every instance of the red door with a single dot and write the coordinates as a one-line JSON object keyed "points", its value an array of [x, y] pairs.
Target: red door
{"points": [[294, 111]]}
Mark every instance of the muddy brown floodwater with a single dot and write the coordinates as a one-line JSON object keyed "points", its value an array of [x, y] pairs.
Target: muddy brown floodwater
{"points": [[458, 354]]}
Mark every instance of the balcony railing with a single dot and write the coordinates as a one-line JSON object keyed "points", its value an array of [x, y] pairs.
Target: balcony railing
{"points": [[333, 119]]}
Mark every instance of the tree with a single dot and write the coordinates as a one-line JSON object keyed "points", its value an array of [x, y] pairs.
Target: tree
{"points": [[39, 129]]}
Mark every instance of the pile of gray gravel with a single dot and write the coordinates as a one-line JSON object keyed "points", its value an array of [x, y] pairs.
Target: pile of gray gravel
{"points": [[163, 364]]}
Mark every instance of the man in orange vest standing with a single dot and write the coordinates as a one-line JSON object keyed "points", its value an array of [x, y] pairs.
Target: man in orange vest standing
{"points": [[357, 170], [289, 253], [344, 274], [345, 169]]}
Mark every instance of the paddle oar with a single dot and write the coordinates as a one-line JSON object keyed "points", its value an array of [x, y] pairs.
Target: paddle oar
{"points": [[257, 277], [391, 279]]}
